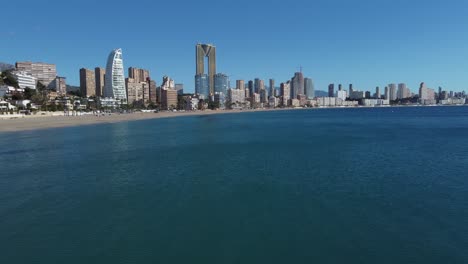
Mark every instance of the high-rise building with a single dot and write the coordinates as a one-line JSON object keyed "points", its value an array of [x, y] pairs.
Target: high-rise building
{"points": [[331, 90], [135, 91], [100, 74], [342, 94], [426, 95], [206, 51], [340, 87], [44, 73], [403, 91], [377, 92], [285, 89], [60, 84], [271, 92], [297, 85], [168, 99], [309, 88], [139, 75], [393, 91], [87, 82], [153, 91], [351, 90], [115, 79], [251, 87], [258, 85], [240, 85], [202, 85], [263, 96], [221, 83], [179, 88], [387, 93]]}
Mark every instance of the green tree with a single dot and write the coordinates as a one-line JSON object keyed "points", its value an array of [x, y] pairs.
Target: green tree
{"points": [[29, 93], [7, 78]]}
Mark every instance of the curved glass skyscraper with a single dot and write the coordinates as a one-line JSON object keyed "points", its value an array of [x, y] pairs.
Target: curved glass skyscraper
{"points": [[115, 79]]}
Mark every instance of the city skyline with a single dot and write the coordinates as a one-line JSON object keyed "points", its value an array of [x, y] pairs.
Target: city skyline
{"points": [[365, 50]]}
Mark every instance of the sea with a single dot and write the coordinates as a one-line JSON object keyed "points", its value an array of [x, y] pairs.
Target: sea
{"points": [[361, 185]]}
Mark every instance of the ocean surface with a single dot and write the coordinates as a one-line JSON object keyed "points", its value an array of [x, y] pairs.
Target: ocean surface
{"points": [[381, 185]]}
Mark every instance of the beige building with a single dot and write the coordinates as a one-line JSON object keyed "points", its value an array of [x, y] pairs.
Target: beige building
{"points": [[134, 91], [87, 83], [240, 85], [45, 73], [100, 74], [139, 75], [60, 85], [168, 99]]}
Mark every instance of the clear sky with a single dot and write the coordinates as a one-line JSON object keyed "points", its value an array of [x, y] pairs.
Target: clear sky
{"points": [[368, 42]]}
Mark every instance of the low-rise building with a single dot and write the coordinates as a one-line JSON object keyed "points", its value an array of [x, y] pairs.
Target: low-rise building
{"points": [[6, 90], [375, 102], [109, 103], [25, 80]]}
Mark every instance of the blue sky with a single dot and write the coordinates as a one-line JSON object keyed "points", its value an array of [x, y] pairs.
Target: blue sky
{"points": [[367, 43]]}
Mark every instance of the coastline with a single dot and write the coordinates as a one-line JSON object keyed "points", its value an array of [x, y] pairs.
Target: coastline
{"points": [[30, 123]]}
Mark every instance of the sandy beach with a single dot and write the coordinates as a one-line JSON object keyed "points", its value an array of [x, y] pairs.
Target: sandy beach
{"points": [[46, 122]]}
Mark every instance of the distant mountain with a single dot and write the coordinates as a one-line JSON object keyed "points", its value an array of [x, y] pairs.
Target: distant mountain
{"points": [[319, 93], [71, 88], [6, 66]]}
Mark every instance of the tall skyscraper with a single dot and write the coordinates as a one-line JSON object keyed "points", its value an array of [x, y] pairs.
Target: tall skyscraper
{"points": [[240, 85], [115, 79], [99, 74], [251, 87], [309, 88], [393, 91], [258, 85], [87, 82], [285, 93], [297, 85], [206, 51], [221, 83], [272, 87], [179, 87], [351, 90], [331, 90], [387, 93], [139, 75], [377, 92], [202, 85], [340, 87], [60, 84], [426, 94]]}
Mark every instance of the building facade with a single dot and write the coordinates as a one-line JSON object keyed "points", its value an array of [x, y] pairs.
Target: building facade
{"points": [[87, 83], [202, 85], [331, 90], [297, 85], [115, 79], [221, 83], [25, 80], [309, 88], [44, 73], [206, 51], [139, 75], [99, 74]]}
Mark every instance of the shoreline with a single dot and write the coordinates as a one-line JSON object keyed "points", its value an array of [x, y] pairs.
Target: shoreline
{"points": [[30, 123]]}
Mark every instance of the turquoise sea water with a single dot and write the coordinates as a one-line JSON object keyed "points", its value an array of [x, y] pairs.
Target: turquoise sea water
{"points": [[384, 185]]}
